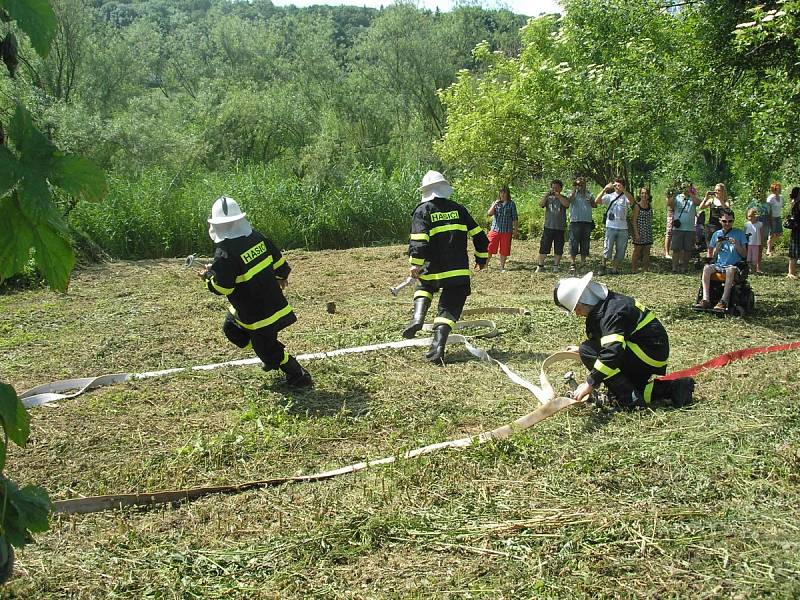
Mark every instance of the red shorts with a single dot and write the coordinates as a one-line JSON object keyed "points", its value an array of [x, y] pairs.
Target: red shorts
{"points": [[501, 240]]}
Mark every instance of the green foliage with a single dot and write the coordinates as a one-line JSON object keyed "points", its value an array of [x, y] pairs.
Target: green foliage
{"points": [[155, 215], [34, 17], [25, 197]]}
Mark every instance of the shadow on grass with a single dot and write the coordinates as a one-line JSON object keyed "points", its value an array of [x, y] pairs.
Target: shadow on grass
{"points": [[314, 402]]}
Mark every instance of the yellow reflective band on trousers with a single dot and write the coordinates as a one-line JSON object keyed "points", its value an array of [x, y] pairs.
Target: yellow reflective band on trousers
{"points": [[279, 263], [416, 261], [611, 338], [423, 294], [419, 237], [268, 321], [648, 392], [255, 270], [445, 275], [641, 355], [222, 290], [443, 321], [607, 371], [285, 357], [443, 228], [475, 231], [482, 254]]}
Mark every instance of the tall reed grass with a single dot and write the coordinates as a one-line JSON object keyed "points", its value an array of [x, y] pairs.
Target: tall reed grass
{"points": [[157, 214]]}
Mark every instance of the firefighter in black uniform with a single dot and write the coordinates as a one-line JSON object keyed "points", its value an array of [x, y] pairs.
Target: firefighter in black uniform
{"points": [[249, 270], [626, 345], [438, 256]]}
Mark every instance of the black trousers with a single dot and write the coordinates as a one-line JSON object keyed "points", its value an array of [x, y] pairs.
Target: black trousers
{"points": [[265, 342], [634, 374], [451, 299]]}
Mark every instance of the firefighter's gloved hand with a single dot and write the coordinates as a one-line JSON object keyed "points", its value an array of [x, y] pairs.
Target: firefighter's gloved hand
{"points": [[282, 282], [413, 271], [479, 267]]}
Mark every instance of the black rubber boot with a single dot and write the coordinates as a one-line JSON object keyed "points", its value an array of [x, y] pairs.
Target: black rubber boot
{"points": [[436, 352], [296, 376], [421, 306], [682, 391], [622, 390]]}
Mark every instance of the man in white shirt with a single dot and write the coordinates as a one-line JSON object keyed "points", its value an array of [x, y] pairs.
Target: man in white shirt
{"points": [[617, 199]]}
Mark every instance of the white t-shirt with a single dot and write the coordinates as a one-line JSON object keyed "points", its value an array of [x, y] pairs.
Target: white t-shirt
{"points": [[776, 204], [753, 230], [618, 215]]}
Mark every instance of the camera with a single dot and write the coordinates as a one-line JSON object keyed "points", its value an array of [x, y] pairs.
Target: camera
{"points": [[676, 223]]}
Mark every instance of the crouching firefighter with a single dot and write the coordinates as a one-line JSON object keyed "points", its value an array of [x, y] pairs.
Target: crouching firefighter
{"points": [[438, 259], [249, 270], [626, 347]]}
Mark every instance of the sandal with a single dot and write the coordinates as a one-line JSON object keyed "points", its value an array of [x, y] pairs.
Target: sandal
{"points": [[721, 305], [703, 304]]}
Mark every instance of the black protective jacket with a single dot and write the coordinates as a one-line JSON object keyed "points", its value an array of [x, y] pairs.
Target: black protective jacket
{"points": [[246, 270], [438, 242], [630, 337]]}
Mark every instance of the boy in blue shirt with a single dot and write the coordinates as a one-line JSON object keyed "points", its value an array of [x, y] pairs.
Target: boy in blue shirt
{"points": [[729, 247]]}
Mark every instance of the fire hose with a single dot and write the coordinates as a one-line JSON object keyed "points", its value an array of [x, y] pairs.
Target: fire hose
{"points": [[549, 405]]}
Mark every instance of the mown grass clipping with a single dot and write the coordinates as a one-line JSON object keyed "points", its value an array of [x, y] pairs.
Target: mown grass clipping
{"points": [[697, 502]]}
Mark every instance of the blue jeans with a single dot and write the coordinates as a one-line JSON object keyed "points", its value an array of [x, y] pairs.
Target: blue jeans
{"points": [[615, 238]]}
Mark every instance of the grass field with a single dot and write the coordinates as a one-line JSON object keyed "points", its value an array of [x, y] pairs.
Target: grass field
{"points": [[691, 503]]}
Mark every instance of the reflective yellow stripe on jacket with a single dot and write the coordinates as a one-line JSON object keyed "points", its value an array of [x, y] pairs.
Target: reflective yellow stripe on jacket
{"points": [[247, 276], [445, 275], [268, 321]]}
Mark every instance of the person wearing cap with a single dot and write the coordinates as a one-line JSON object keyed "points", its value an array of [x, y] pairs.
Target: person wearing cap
{"points": [[438, 259], [626, 345], [249, 270]]}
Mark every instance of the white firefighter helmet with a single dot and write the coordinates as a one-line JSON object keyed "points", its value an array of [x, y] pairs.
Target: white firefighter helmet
{"points": [[225, 210], [434, 185], [572, 290]]}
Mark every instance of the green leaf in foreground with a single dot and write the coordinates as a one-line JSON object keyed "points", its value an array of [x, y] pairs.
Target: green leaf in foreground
{"points": [[27, 510], [36, 18], [78, 176]]}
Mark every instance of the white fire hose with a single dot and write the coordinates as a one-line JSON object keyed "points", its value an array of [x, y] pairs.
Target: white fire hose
{"points": [[549, 404]]}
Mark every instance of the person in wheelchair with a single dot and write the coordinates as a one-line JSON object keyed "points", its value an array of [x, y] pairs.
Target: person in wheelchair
{"points": [[729, 247]]}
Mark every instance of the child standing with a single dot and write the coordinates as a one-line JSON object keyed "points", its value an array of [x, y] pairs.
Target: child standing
{"points": [[752, 230], [505, 225], [642, 222]]}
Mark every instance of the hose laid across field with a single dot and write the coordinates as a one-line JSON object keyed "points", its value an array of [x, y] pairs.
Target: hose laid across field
{"points": [[544, 393]]}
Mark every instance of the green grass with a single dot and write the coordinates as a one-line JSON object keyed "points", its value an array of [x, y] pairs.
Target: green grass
{"points": [[690, 503]]}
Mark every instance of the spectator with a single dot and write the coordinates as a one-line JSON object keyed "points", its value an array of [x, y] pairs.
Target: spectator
{"points": [[776, 215], [794, 235], [617, 200], [505, 225], [642, 222], [715, 201], [684, 207], [581, 222], [729, 250], [752, 232], [668, 234], [555, 222], [764, 214], [626, 345]]}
